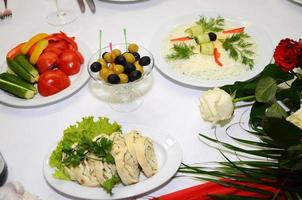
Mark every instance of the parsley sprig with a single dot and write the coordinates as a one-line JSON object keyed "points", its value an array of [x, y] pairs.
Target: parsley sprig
{"points": [[181, 51], [239, 49], [74, 154], [211, 24]]}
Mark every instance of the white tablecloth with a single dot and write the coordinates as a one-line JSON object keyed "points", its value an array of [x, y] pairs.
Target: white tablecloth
{"points": [[27, 134]]}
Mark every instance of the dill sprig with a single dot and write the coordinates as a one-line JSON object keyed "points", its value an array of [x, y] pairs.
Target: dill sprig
{"points": [[181, 51], [101, 148], [211, 24], [239, 49]]}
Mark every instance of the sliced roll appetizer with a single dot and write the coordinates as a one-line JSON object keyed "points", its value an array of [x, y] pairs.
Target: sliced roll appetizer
{"points": [[97, 154]]}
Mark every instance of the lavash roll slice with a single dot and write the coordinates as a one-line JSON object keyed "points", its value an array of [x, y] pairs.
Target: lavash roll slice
{"points": [[102, 170], [145, 155], [126, 165], [130, 139]]}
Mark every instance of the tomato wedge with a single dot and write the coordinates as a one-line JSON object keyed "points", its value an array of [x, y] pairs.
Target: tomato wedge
{"points": [[52, 82], [69, 62], [47, 61]]}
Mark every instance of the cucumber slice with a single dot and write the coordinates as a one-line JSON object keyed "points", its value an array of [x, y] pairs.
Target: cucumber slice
{"points": [[202, 38], [20, 71], [207, 48], [10, 71], [194, 31], [22, 60], [17, 86]]}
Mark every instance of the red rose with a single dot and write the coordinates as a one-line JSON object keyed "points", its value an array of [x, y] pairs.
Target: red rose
{"points": [[300, 54], [286, 54]]}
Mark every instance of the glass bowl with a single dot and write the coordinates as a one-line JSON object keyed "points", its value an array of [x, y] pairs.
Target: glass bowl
{"points": [[124, 97]]}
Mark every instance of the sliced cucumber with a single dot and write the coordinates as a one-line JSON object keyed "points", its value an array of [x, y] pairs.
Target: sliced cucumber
{"points": [[8, 70], [207, 48], [23, 61], [20, 71], [17, 86], [194, 31], [202, 38]]}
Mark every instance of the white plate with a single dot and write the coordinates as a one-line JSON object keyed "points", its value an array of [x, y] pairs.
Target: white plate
{"points": [[168, 153], [263, 41], [77, 82]]}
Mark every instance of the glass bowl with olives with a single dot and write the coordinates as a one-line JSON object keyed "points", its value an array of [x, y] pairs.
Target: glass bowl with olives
{"points": [[122, 67]]}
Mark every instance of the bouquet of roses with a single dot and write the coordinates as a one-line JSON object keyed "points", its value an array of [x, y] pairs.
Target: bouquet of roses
{"points": [[275, 118]]}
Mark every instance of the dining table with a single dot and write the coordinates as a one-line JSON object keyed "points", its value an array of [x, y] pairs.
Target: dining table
{"points": [[28, 133]]}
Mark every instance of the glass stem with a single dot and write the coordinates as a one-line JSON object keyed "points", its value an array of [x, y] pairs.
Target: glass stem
{"points": [[60, 12]]}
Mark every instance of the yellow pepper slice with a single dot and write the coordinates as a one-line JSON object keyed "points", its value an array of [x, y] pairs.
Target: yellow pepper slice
{"points": [[25, 48], [40, 46]]}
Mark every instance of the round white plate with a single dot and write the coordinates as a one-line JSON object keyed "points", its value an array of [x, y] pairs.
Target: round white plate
{"points": [[169, 156], [77, 82], [263, 42]]}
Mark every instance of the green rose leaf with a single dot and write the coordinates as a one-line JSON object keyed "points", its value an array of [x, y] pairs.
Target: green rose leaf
{"points": [[282, 132], [276, 111], [266, 89], [257, 114], [290, 97]]}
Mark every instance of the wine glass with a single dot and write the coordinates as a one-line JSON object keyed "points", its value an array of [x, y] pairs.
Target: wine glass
{"points": [[125, 97], [61, 17]]}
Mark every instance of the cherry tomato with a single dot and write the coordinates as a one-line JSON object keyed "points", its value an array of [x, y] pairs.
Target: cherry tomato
{"points": [[69, 62], [52, 82], [47, 61]]}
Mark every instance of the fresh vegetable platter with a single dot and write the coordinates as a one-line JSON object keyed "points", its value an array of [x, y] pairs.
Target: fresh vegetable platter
{"points": [[42, 70]]}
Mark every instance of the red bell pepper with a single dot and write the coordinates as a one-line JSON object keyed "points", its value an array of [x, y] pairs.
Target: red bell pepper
{"points": [[15, 51], [236, 30], [216, 57]]}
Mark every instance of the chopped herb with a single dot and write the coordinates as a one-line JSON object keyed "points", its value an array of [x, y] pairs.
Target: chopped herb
{"points": [[110, 183], [238, 48], [181, 51], [75, 153], [211, 24]]}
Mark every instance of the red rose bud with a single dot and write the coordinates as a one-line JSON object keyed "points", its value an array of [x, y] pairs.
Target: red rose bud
{"points": [[286, 54]]}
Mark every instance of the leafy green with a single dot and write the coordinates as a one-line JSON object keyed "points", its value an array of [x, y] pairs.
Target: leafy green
{"points": [[181, 51], [110, 183], [211, 24], [239, 49], [81, 135], [266, 89], [276, 111]]}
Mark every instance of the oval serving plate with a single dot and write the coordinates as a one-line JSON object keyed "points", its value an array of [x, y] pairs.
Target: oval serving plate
{"points": [[263, 56], [77, 82], [169, 156]]}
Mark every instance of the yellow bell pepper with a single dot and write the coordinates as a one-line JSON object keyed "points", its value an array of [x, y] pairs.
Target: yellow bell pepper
{"points": [[25, 48], [40, 46]]}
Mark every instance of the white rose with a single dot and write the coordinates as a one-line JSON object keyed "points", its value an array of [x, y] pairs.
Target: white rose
{"points": [[216, 106], [296, 118]]}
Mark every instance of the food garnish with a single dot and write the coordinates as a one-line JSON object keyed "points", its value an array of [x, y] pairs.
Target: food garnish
{"points": [[210, 34]]}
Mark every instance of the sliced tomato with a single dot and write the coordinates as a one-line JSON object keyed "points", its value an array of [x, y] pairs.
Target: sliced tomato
{"points": [[57, 51], [80, 57], [47, 61], [52, 82], [15, 51], [69, 62]]}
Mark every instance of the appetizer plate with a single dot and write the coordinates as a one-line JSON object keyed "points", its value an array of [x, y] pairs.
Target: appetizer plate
{"points": [[263, 55], [77, 82], [169, 156]]}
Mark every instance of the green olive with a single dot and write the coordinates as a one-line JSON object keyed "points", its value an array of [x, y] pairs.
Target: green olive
{"points": [[116, 52], [105, 72], [102, 62], [139, 67], [133, 48], [123, 78], [108, 57], [118, 69], [129, 57]]}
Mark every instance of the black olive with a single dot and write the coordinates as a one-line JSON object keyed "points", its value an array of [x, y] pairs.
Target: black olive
{"points": [[134, 75], [103, 55], [145, 60], [113, 79], [95, 67], [128, 68], [136, 56], [120, 60], [212, 36]]}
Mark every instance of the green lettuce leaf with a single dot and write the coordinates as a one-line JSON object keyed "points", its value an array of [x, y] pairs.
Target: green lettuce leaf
{"points": [[74, 133]]}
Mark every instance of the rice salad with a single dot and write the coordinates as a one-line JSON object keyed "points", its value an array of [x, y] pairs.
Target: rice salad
{"points": [[204, 66]]}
